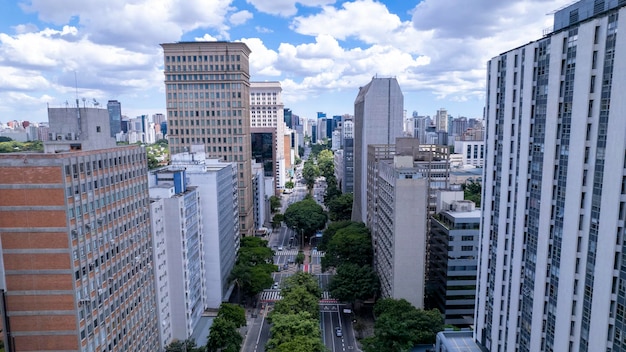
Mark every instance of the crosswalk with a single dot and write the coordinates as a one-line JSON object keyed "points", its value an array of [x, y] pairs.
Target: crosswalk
{"points": [[294, 252], [274, 295]]}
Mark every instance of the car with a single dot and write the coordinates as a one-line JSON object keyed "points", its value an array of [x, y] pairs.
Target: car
{"points": [[285, 266], [280, 248], [275, 287], [338, 332]]}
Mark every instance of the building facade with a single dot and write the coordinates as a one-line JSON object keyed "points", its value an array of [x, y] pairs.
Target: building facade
{"points": [[207, 86], [552, 272], [453, 261], [378, 116], [76, 242], [216, 183], [184, 251]]}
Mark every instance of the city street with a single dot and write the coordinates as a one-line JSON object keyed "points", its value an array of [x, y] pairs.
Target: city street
{"points": [[285, 243]]}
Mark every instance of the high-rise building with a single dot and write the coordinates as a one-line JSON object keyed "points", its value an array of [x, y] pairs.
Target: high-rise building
{"points": [[115, 116], [216, 183], [76, 242], [553, 272], [402, 178], [182, 244], [207, 86], [453, 262], [266, 118], [347, 184], [378, 114], [441, 121]]}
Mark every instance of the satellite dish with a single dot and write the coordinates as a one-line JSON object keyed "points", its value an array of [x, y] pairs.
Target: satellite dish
{"points": [[95, 103]]}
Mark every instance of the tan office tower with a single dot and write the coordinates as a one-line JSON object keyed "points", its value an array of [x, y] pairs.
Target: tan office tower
{"points": [[76, 267], [207, 85]]}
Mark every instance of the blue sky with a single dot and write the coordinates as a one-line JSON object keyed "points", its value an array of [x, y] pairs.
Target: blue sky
{"points": [[321, 51]]}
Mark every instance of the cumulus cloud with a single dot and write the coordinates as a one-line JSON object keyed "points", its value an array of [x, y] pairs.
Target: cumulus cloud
{"points": [[241, 17], [134, 24], [285, 8]]}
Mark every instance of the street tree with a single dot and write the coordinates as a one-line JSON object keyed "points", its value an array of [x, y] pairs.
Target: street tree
{"points": [[353, 282], [340, 207], [232, 312], [348, 245], [274, 204], [188, 345], [289, 185], [399, 326], [306, 216], [302, 279], [310, 173], [326, 163], [297, 300], [224, 337], [330, 231], [277, 220], [295, 332]]}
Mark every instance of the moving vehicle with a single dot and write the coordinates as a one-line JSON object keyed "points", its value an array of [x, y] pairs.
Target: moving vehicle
{"points": [[338, 332]]}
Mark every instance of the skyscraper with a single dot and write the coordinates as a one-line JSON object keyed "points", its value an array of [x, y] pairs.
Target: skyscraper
{"points": [[207, 86], [76, 244], [267, 117], [115, 116], [378, 115], [552, 275]]}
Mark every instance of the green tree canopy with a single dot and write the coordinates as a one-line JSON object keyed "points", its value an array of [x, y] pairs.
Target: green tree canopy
{"points": [[253, 270], [353, 282], [302, 279], [400, 326], [188, 345], [348, 245], [332, 228], [340, 207], [297, 300], [326, 163], [472, 190], [306, 215], [224, 337], [232, 312], [310, 173], [289, 185], [277, 219], [274, 204], [295, 332]]}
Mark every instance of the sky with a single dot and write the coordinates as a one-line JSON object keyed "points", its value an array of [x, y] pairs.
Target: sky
{"points": [[322, 51]]}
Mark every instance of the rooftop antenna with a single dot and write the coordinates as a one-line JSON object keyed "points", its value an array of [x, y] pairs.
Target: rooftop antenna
{"points": [[80, 130]]}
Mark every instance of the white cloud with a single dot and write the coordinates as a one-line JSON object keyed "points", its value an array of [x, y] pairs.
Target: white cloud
{"points": [[241, 17], [366, 20], [285, 8], [135, 24], [262, 59], [21, 80]]}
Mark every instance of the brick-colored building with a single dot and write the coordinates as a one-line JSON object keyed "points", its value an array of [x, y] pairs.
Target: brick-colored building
{"points": [[75, 242]]}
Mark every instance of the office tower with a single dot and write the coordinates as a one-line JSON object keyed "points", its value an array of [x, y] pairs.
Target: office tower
{"points": [[402, 178], [76, 244], [267, 127], [453, 261], [180, 211], [207, 85], [115, 116], [378, 114], [288, 116], [322, 129], [347, 186], [552, 272], [216, 183], [441, 120]]}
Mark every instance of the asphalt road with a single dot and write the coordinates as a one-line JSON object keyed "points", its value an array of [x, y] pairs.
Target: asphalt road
{"points": [[332, 316]]}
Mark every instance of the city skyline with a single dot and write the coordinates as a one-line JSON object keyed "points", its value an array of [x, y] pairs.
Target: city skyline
{"points": [[321, 51]]}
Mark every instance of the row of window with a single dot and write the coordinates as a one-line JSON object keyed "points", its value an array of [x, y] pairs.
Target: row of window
{"points": [[204, 77], [202, 58]]}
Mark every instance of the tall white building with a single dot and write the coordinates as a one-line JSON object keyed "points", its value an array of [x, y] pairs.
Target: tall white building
{"points": [[378, 116], [552, 272], [216, 183], [183, 242], [267, 113], [441, 120]]}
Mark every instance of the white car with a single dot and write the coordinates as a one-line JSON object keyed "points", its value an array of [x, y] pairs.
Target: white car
{"points": [[280, 248]]}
